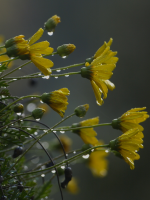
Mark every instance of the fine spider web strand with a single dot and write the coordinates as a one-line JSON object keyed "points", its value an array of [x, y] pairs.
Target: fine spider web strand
{"points": [[46, 153], [66, 157]]}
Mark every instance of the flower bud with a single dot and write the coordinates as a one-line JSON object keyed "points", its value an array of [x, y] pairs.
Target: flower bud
{"points": [[38, 113], [51, 23], [15, 40], [65, 49], [18, 108], [80, 111], [17, 152], [116, 123]]}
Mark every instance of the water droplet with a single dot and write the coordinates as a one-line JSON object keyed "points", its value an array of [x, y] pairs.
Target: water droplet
{"points": [[86, 156], [21, 120], [62, 132], [25, 167], [56, 77], [18, 114], [50, 33], [37, 119], [63, 167], [64, 56], [5, 134], [74, 152], [107, 151], [55, 131], [12, 124], [45, 131], [46, 77], [58, 70], [14, 79], [36, 133], [39, 74], [42, 175], [92, 150], [67, 75], [19, 68], [29, 129], [53, 171], [41, 101]]}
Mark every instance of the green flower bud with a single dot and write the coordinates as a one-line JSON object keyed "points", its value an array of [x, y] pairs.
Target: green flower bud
{"points": [[86, 72], [18, 108], [51, 23], [116, 124], [89, 60], [38, 113], [65, 49], [80, 111], [114, 144]]}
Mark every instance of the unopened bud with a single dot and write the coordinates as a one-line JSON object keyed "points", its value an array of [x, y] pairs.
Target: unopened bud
{"points": [[51, 23], [38, 113], [18, 108], [65, 49], [81, 110]]}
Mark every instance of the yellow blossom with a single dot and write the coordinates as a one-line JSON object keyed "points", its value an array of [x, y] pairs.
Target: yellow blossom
{"points": [[72, 186], [100, 71], [87, 134], [127, 145], [131, 119], [66, 142], [97, 162], [57, 100], [36, 51]]}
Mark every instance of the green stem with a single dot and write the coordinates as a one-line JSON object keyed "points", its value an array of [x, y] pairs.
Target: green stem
{"points": [[70, 129], [8, 60], [65, 74], [63, 162], [24, 97], [68, 67], [48, 131]]}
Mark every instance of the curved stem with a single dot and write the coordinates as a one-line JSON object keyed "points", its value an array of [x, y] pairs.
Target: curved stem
{"points": [[64, 161], [19, 100], [45, 152], [68, 67]]}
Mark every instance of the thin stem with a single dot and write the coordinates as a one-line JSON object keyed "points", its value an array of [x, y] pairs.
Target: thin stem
{"points": [[24, 97], [64, 161], [65, 74], [48, 131], [70, 129], [7, 60], [68, 67]]}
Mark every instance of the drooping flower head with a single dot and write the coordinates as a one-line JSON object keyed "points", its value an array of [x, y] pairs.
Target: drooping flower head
{"points": [[97, 162], [127, 145], [100, 71], [87, 134], [130, 120], [57, 100], [36, 51]]}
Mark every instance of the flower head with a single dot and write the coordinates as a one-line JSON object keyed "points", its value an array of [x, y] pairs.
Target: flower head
{"points": [[57, 100], [87, 134], [81, 110], [51, 23], [66, 141], [100, 71], [72, 186], [36, 51], [97, 162], [65, 49], [127, 145], [131, 119]]}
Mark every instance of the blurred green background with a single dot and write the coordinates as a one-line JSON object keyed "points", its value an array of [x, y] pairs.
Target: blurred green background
{"points": [[87, 24]]}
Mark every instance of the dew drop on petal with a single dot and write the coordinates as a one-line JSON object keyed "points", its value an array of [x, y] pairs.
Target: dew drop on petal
{"points": [[86, 156], [50, 33]]}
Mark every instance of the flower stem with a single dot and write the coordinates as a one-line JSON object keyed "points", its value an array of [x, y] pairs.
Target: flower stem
{"points": [[67, 67], [8, 60], [24, 97], [65, 74], [38, 138], [64, 161], [70, 129]]}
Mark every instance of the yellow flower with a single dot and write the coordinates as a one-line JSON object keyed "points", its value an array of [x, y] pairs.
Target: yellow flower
{"points": [[36, 51], [100, 71], [72, 186], [3, 50], [87, 134], [66, 141], [127, 145], [97, 162], [57, 100], [130, 120]]}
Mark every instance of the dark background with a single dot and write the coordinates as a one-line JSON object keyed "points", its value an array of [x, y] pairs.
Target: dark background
{"points": [[87, 24]]}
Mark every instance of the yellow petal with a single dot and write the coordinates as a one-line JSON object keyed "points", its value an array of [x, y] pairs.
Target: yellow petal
{"points": [[36, 36], [97, 93], [109, 84], [40, 45]]}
